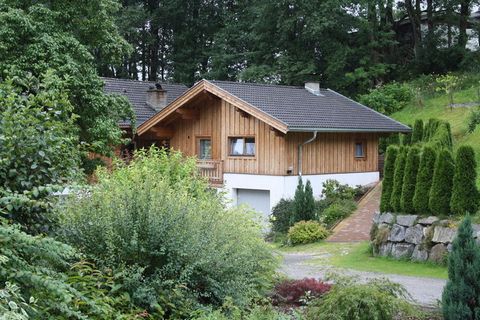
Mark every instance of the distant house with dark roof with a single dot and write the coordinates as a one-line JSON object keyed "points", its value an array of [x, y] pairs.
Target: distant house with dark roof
{"points": [[255, 140]]}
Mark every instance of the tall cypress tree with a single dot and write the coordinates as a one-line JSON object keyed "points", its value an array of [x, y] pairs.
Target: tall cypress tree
{"points": [[398, 179], [388, 173], [409, 180], [441, 191], [298, 202], [465, 197], [417, 134], [309, 204], [460, 298], [424, 180]]}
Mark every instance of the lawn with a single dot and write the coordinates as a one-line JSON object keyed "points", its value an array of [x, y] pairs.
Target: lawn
{"points": [[437, 107], [357, 257]]}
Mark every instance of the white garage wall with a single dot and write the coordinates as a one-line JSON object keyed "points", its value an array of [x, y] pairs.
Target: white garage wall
{"points": [[284, 186]]}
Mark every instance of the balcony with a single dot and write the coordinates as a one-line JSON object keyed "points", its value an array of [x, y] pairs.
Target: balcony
{"points": [[212, 170]]}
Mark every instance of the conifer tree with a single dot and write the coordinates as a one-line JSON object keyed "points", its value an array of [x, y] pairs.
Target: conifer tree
{"points": [[298, 202], [407, 138], [388, 174], [460, 298], [398, 179], [465, 196], [409, 180], [441, 191], [309, 203], [417, 134], [424, 180]]}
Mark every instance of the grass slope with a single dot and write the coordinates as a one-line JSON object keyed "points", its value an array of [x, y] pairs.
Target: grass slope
{"points": [[437, 107]]}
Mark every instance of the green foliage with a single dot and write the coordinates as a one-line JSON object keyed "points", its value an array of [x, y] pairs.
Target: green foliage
{"points": [[337, 211], [303, 202], [473, 120], [12, 305], [424, 180], [441, 191], [333, 191], [442, 137], [304, 232], [398, 179], [417, 134], [38, 270], [460, 298], [384, 142], [388, 177], [409, 180], [448, 83], [388, 98], [376, 299], [157, 223], [465, 195], [234, 313], [282, 215], [67, 39], [430, 128], [38, 147]]}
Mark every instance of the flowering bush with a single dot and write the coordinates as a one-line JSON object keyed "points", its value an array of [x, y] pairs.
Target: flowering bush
{"points": [[297, 292]]}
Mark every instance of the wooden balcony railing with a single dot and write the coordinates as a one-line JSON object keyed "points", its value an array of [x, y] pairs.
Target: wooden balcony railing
{"points": [[213, 170]]}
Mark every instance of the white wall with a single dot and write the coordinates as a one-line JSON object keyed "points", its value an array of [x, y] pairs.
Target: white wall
{"points": [[284, 186]]}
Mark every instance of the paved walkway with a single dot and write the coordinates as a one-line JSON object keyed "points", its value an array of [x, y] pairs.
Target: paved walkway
{"points": [[357, 226]]}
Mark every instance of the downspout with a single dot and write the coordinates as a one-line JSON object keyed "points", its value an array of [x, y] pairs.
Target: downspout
{"points": [[300, 148]]}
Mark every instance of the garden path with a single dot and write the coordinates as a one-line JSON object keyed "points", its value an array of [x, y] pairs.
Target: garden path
{"points": [[357, 226]]}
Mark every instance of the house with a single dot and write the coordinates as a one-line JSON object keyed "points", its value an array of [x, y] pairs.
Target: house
{"points": [[255, 140]]}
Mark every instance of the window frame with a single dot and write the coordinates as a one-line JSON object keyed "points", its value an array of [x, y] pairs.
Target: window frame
{"points": [[364, 149], [244, 155], [199, 147]]}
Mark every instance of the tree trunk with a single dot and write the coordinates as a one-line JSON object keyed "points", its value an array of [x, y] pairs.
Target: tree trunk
{"points": [[415, 23], [463, 23]]}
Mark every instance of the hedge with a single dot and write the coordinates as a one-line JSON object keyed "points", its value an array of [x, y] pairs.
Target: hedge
{"points": [[398, 178], [409, 180], [441, 192], [388, 173], [465, 197], [424, 180]]}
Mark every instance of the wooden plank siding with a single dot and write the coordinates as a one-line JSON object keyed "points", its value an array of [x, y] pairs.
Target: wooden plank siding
{"points": [[275, 152]]}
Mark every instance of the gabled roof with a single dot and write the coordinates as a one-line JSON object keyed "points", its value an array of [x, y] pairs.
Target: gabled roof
{"points": [[289, 108], [302, 110], [136, 93]]}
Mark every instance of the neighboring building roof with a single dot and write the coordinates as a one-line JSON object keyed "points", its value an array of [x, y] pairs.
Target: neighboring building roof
{"points": [[301, 110], [136, 93]]}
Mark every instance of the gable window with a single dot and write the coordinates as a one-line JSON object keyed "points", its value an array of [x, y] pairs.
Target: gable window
{"points": [[360, 152], [204, 148], [242, 146]]}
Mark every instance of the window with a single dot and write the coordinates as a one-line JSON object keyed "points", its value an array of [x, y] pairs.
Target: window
{"points": [[359, 149], [204, 148], [242, 146]]}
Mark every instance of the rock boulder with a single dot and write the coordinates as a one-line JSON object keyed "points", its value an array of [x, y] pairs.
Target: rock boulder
{"points": [[414, 234], [443, 235], [402, 250], [397, 234], [419, 254], [428, 221], [406, 220], [437, 253]]}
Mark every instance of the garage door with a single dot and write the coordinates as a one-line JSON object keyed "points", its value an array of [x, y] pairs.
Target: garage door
{"points": [[257, 199]]}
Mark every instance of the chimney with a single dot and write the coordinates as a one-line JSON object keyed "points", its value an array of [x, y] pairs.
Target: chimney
{"points": [[157, 97], [313, 87]]}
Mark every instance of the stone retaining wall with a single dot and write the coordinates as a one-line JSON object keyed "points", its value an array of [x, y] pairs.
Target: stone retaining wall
{"points": [[413, 237]]}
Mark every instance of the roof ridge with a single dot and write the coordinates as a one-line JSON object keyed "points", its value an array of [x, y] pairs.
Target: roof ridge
{"points": [[259, 84]]}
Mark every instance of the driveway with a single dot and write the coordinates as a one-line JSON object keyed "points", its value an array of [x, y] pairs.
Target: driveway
{"points": [[424, 291]]}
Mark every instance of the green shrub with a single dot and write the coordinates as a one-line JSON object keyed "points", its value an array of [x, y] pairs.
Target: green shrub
{"points": [[441, 191], [385, 142], [158, 223], [430, 128], [333, 191], [473, 120], [389, 98], [417, 134], [44, 269], [406, 138], [282, 215], [298, 202], [442, 136], [465, 196], [460, 298], [304, 232], [387, 184], [377, 299], [309, 204], [424, 180], [398, 179], [409, 180], [337, 211]]}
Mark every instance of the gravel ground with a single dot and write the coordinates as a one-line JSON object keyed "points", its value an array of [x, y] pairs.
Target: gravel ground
{"points": [[424, 291]]}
